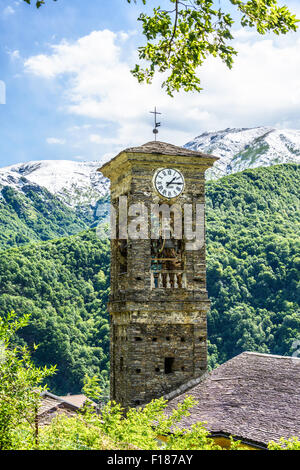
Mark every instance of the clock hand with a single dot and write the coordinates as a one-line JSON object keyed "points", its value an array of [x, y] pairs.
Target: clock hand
{"points": [[171, 182]]}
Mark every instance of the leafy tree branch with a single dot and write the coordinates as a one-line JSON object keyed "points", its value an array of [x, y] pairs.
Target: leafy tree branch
{"points": [[179, 40]]}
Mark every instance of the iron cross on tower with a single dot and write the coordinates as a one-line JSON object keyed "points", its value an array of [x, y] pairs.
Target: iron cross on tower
{"points": [[156, 124]]}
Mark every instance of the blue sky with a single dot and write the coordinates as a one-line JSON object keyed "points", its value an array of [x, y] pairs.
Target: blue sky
{"points": [[70, 95]]}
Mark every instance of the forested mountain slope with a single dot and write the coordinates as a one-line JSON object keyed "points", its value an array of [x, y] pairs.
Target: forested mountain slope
{"points": [[64, 285], [253, 266], [253, 226], [35, 215]]}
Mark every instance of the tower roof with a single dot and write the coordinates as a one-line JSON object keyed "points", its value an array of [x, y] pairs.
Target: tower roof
{"points": [[164, 148]]}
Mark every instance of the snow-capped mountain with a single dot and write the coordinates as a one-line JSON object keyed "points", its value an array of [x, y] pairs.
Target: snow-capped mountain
{"points": [[78, 184], [239, 149], [75, 183]]}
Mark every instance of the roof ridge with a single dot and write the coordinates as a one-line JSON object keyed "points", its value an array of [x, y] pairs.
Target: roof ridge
{"points": [[270, 355], [157, 146], [75, 395], [58, 398]]}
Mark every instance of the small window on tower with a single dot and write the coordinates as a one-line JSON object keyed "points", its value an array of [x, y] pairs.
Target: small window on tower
{"points": [[121, 364], [169, 365], [122, 256]]}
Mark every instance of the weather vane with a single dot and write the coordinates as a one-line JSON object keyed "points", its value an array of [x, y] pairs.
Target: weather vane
{"points": [[156, 124]]}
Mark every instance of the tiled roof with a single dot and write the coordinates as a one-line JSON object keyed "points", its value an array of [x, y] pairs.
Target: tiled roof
{"points": [[52, 405], [49, 402], [77, 400], [253, 396]]}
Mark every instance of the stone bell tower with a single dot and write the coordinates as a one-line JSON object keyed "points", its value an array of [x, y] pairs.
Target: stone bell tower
{"points": [[158, 302]]}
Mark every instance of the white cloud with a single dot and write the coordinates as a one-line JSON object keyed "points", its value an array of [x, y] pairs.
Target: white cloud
{"points": [[98, 49], [98, 139], [95, 139], [78, 128], [263, 88], [8, 11], [55, 141], [14, 55]]}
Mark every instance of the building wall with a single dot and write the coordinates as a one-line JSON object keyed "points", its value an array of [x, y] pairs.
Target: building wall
{"points": [[151, 358], [225, 443]]}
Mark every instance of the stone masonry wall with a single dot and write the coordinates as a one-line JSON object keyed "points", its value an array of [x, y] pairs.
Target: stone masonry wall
{"points": [[158, 335]]}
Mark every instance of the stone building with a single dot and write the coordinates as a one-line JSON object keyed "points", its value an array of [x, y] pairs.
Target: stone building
{"points": [[158, 302], [253, 397], [52, 405]]}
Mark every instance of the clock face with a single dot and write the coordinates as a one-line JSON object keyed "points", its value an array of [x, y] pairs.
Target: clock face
{"points": [[169, 183]]}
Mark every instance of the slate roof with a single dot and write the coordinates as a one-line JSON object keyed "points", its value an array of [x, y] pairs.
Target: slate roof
{"points": [[76, 400], [51, 405], [49, 400], [255, 397], [164, 148]]}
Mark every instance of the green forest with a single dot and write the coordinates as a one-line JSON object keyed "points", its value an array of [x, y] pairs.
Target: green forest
{"points": [[253, 261], [60, 274], [34, 215], [64, 285]]}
